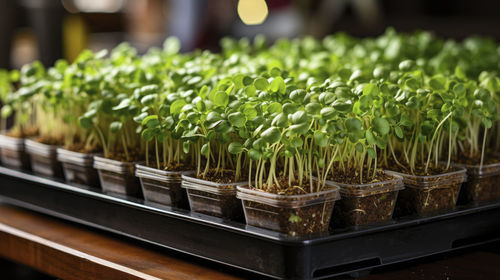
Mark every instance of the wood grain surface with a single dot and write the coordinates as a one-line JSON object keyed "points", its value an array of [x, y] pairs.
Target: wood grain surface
{"points": [[67, 251]]}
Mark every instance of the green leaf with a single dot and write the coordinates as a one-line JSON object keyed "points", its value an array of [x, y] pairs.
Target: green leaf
{"points": [[353, 124], [176, 107], [6, 111], [271, 135], [140, 118], [274, 108], [261, 84], [399, 132], [320, 138], [371, 152], [300, 129], [370, 139], [151, 121], [437, 83], [254, 154], [297, 142], [237, 119], [84, 121], [381, 126], [221, 98], [204, 149], [149, 99], [147, 134], [250, 113], [235, 148], [359, 147], [487, 122], [278, 85], [370, 89]]}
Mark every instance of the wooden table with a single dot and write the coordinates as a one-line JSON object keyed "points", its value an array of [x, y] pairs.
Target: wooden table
{"points": [[70, 251]]}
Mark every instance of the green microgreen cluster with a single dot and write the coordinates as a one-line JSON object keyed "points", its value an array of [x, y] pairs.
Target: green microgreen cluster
{"points": [[283, 117]]}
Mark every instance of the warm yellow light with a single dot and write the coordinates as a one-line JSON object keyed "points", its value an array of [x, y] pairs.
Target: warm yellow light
{"points": [[252, 12]]}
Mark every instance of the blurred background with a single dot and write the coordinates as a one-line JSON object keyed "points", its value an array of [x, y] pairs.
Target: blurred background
{"points": [[52, 29]]}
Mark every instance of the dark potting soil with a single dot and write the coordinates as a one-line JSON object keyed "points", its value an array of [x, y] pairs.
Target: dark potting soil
{"points": [[84, 149], [294, 221], [172, 166], [424, 201], [476, 160], [222, 206], [222, 176], [49, 140], [351, 176], [300, 220], [479, 190], [363, 205], [419, 169], [134, 156], [365, 210]]}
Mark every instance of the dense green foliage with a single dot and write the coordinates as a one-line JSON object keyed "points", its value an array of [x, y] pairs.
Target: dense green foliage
{"points": [[297, 109]]}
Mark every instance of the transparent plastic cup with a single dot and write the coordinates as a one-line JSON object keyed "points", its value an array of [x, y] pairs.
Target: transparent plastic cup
{"points": [[163, 187], [483, 183], [295, 215], [366, 204], [426, 195], [215, 199], [78, 167], [117, 177], [13, 152], [44, 159]]}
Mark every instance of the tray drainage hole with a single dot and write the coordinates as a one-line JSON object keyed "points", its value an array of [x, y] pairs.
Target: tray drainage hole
{"points": [[346, 267]]}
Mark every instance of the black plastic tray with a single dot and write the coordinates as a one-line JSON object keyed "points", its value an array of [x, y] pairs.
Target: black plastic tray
{"points": [[252, 249]]}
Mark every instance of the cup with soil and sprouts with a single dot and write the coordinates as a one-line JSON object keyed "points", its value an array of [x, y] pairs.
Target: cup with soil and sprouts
{"points": [[40, 89], [16, 105], [112, 123], [212, 190], [421, 151], [281, 193], [483, 169], [167, 158]]}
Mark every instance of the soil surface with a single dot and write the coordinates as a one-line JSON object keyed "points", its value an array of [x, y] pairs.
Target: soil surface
{"points": [[81, 148], [24, 133], [419, 169], [48, 140], [134, 155], [488, 159], [172, 167], [223, 176], [285, 188], [351, 176]]}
